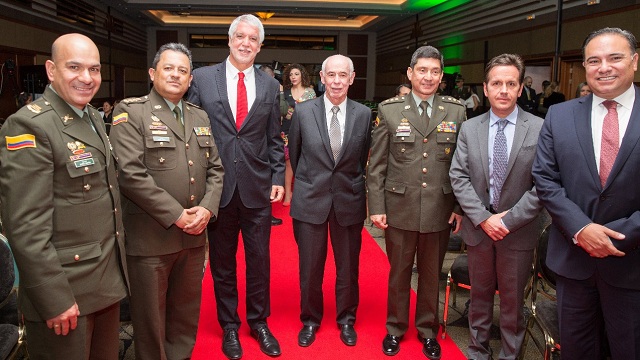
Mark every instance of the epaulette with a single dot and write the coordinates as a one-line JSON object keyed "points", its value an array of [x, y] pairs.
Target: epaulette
{"points": [[395, 99], [192, 104], [452, 100], [136, 100], [36, 108]]}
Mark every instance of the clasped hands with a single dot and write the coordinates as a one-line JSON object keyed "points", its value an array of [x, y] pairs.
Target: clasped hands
{"points": [[596, 240], [193, 221], [494, 227]]}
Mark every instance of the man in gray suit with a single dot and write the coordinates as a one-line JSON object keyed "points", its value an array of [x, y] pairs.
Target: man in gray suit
{"points": [[329, 145], [243, 105], [491, 178]]}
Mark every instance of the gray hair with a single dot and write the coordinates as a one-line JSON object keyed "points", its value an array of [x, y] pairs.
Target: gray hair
{"points": [[249, 19], [426, 52], [631, 39], [351, 68], [506, 60], [177, 47]]}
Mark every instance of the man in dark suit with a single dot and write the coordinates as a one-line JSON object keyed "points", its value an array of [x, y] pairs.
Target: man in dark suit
{"points": [[410, 195], [61, 211], [329, 145], [171, 179], [586, 171], [491, 178], [527, 99], [243, 105]]}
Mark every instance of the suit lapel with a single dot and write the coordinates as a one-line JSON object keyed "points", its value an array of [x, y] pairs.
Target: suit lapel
{"points": [[483, 140], [437, 114], [522, 127], [582, 112], [221, 82], [630, 139], [321, 121], [260, 95]]}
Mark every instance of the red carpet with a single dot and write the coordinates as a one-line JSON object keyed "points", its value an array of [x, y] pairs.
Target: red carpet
{"points": [[284, 321]]}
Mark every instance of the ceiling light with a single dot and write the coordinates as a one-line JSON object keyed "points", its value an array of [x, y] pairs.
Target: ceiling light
{"points": [[531, 17], [593, 2], [265, 15]]}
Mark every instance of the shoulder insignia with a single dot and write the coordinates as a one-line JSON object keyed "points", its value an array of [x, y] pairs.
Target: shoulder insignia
{"points": [[66, 118], [452, 100], [120, 118], [91, 106], [192, 104], [20, 141], [134, 100], [34, 108], [393, 100]]}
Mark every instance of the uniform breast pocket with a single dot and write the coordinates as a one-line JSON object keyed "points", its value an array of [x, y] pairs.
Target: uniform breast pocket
{"points": [[207, 146], [446, 145], [404, 147], [87, 183], [160, 153]]}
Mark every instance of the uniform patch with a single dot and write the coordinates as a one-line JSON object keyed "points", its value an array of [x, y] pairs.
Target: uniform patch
{"points": [[20, 142], [120, 118], [206, 130]]}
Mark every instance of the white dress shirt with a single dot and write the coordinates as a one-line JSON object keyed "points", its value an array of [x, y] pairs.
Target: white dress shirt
{"points": [[342, 115], [232, 86]]}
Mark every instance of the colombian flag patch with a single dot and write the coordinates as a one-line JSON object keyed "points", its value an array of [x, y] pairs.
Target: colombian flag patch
{"points": [[120, 118], [21, 141]]}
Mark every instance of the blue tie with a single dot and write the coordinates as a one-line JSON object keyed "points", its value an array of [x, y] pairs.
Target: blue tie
{"points": [[500, 160]]}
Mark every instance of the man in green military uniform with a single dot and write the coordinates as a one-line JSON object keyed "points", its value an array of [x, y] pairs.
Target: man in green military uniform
{"points": [[410, 194], [61, 211], [171, 179]]}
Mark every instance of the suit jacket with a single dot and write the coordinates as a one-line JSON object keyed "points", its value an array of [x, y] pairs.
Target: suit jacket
{"points": [[470, 181], [164, 170], [322, 182], [569, 187], [408, 178], [61, 210], [253, 157], [528, 104]]}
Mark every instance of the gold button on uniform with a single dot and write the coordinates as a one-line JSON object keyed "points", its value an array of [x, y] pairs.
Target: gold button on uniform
{"points": [[190, 163], [424, 170], [425, 140], [86, 169], [193, 181], [76, 257], [187, 145], [193, 197], [424, 155], [424, 185]]}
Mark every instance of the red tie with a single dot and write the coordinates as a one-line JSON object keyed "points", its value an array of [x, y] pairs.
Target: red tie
{"points": [[610, 140], [241, 109]]}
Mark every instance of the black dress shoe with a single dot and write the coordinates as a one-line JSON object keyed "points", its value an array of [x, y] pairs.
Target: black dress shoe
{"points": [[348, 334], [431, 349], [307, 335], [231, 344], [391, 345], [268, 343], [275, 221]]}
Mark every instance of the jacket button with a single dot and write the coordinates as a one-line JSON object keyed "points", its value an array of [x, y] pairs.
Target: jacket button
{"points": [[424, 185], [424, 155], [190, 163], [193, 197], [86, 169], [193, 181], [603, 198], [424, 170], [425, 140], [76, 257], [186, 145]]}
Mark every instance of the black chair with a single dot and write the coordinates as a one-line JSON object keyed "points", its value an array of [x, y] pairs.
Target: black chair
{"points": [[12, 334], [544, 313]]}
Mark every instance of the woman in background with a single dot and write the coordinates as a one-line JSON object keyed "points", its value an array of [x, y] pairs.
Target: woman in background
{"points": [[472, 103], [583, 90], [297, 88]]}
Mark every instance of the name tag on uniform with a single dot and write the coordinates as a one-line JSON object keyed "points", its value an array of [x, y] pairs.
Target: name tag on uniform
{"points": [[159, 132], [161, 138]]}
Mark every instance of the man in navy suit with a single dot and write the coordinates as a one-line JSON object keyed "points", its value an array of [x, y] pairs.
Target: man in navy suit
{"points": [[586, 172], [330, 195], [243, 105]]}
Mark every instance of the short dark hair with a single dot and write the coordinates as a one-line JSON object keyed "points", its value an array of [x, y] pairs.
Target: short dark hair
{"points": [[426, 52], [408, 86], [506, 60], [631, 39], [177, 47]]}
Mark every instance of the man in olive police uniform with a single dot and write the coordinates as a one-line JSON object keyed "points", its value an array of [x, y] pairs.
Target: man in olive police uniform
{"points": [[61, 211], [171, 177], [410, 194]]}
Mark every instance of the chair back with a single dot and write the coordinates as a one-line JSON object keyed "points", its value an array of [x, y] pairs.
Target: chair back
{"points": [[7, 272], [542, 269]]}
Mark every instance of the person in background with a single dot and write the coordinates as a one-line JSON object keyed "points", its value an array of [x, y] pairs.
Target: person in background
{"points": [[403, 89], [491, 178], [245, 122], [269, 71], [442, 88], [24, 99], [586, 172], [171, 192], [410, 195], [552, 95], [107, 111], [527, 100], [583, 89], [329, 146], [460, 91], [472, 103], [61, 211], [297, 88]]}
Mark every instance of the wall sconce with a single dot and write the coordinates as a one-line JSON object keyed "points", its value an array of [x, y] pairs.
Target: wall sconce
{"points": [[531, 17], [593, 2], [265, 15]]}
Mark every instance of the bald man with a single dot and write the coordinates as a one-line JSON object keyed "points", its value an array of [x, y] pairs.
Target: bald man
{"points": [[61, 211]]}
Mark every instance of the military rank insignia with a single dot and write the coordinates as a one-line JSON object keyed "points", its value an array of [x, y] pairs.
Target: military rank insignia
{"points": [[447, 126], [20, 142], [120, 118], [202, 131]]}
